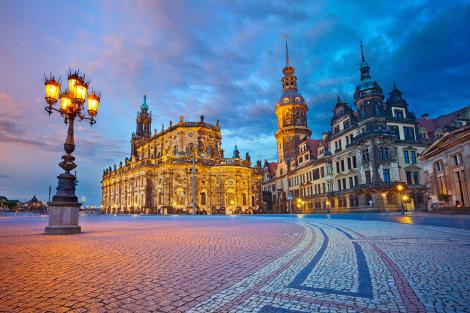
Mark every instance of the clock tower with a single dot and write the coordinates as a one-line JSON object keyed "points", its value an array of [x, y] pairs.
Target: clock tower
{"points": [[291, 112]]}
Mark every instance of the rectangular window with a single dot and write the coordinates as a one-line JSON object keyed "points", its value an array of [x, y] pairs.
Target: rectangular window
{"points": [[368, 178], [356, 180], [386, 175], [323, 187], [408, 178], [456, 159], [384, 153], [406, 156], [409, 133], [395, 130], [365, 155], [354, 161], [322, 172], [413, 156], [351, 182], [315, 174], [342, 165], [344, 183], [349, 163], [416, 177], [337, 167], [339, 184], [398, 113]]}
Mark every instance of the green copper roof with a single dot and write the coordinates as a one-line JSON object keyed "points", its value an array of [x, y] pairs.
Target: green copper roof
{"points": [[144, 106]]}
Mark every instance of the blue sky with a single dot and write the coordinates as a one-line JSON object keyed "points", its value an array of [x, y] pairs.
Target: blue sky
{"points": [[223, 59]]}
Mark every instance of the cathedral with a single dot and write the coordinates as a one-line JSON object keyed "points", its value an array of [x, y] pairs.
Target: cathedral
{"points": [[179, 170], [367, 159]]}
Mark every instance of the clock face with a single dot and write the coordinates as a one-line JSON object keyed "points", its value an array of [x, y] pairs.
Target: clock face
{"points": [[297, 99]]}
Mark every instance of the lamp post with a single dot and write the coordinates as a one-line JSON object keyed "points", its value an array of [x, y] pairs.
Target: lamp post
{"points": [[400, 189], [64, 208]]}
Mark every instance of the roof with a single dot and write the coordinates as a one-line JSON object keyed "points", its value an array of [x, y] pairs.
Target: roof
{"points": [[446, 141], [441, 121], [313, 145], [272, 166]]}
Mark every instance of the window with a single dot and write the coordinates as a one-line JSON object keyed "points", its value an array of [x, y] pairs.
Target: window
{"points": [[409, 133], [346, 124], [356, 180], [408, 178], [342, 165], [365, 155], [349, 163], [344, 183], [395, 130], [368, 178], [354, 161], [203, 198], [336, 129], [413, 156], [315, 174], [439, 165], [384, 153], [398, 113], [386, 175], [337, 167], [416, 177], [456, 159], [322, 172], [406, 156], [351, 182]]}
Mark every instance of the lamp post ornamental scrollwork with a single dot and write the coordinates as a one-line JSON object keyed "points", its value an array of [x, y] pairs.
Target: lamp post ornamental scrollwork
{"points": [[64, 207]]}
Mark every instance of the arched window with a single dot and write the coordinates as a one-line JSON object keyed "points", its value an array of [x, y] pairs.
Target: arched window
{"points": [[203, 198]]}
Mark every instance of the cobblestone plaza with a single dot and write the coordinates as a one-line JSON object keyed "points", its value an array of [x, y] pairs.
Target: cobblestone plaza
{"points": [[237, 264]]}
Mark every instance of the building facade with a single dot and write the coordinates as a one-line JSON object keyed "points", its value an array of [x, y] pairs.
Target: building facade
{"points": [[447, 168], [180, 168], [357, 165]]}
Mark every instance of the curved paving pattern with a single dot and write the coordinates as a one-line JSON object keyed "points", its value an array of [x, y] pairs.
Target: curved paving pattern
{"points": [[234, 264]]}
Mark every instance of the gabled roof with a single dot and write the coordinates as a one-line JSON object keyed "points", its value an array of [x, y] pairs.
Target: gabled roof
{"points": [[440, 122], [446, 141]]}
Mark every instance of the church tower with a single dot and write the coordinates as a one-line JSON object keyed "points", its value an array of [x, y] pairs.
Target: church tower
{"points": [[143, 125], [291, 112]]}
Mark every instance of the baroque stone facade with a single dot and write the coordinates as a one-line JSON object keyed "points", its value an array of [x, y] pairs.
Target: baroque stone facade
{"points": [[179, 168], [447, 168], [358, 164]]}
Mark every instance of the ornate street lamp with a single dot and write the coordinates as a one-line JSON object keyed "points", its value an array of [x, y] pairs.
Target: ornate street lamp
{"points": [[64, 208]]}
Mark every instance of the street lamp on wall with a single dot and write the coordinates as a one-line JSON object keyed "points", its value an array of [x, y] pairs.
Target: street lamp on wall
{"points": [[64, 208]]}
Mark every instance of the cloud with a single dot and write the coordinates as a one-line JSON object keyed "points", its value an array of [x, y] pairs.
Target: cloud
{"points": [[222, 59]]}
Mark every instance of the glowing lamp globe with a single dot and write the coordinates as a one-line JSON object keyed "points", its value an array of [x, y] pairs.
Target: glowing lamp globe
{"points": [[93, 104], [72, 80], [81, 89], [52, 91], [66, 104]]}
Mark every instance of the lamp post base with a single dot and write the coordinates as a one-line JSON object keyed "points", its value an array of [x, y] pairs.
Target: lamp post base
{"points": [[63, 218]]}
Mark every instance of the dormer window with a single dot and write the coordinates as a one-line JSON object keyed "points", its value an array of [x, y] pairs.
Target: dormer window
{"points": [[398, 113]]}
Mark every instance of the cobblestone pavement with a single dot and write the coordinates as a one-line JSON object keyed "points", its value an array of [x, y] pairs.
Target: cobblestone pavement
{"points": [[233, 264]]}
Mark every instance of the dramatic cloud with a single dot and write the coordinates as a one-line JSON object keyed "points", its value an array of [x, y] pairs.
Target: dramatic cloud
{"points": [[223, 59]]}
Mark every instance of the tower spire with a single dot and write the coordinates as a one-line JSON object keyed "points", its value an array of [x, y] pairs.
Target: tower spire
{"points": [[287, 50], [365, 68], [362, 52]]}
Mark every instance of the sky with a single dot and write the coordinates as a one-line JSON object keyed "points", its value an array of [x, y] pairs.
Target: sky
{"points": [[223, 59]]}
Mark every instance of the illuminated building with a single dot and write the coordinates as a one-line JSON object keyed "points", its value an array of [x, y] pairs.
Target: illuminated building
{"points": [[180, 168], [357, 164]]}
